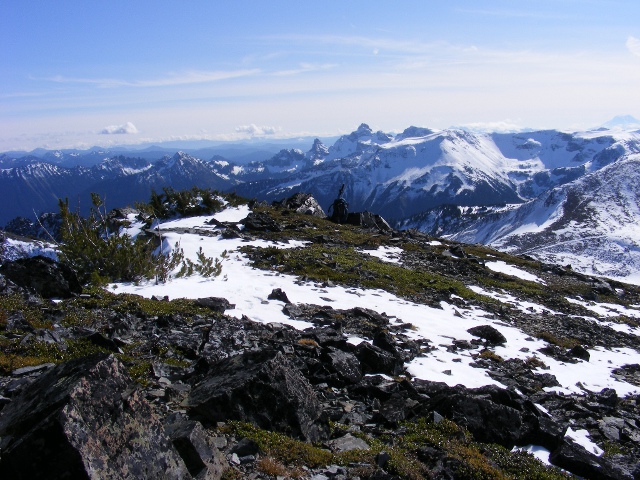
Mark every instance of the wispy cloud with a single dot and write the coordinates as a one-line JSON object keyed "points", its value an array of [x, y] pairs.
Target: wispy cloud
{"points": [[21, 95], [512, 13], [633, 45], [501, 126], [380, 44], [257, 131], [304, 68], [127, 128], [191, 77]]}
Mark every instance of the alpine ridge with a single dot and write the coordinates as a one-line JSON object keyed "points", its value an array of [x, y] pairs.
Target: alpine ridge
{"points": [[474, 187]]}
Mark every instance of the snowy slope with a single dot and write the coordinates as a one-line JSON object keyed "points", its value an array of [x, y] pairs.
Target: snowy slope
{"points": [[591, 223], [248, 288]]}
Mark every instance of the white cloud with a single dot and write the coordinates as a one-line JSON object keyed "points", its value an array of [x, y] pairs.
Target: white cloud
{"points": [[184, 78], [407, 46], [127, 128], [257, 131], [502, 126], [633, 45], [305, 67]]}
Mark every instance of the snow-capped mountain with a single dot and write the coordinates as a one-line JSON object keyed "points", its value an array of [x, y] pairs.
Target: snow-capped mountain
{"points": [[591, 223], [622, 122], [419, 169], [578, 190], [33, 188], [478, 187]]}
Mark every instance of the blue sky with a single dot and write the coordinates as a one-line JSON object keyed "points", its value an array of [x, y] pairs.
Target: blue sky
{"points": [[84, 73]]}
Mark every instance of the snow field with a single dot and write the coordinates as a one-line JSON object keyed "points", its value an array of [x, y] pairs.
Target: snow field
{"points": [[248, 288]]}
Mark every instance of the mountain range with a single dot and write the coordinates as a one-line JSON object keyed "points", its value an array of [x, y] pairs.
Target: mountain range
{"points": [[566, 197]]}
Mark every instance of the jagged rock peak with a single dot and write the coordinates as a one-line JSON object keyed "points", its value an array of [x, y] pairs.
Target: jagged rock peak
{"points": [[364, 129], [319, 147], [178, 159], [285, 157], [364, 133], [180, 155], [318, 150]]}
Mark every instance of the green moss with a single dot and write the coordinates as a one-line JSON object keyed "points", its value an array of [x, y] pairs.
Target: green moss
{"points": [[469, 459], [564, 342], [491, 355], [303, 227], [475, 460], [347, 266], [612, 448], [534, 362], [139, 369], [77, 310], [16, 354], [33, 314], [285, 449]]}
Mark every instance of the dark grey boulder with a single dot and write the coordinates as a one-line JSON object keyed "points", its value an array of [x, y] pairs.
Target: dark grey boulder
{"points": [[261, 222], [494, 415], [278, 294], [261, 387], [17, 321], [43, 276], [395, 410], [488, 333], [368, 220], [198, 451], [78, 420], [245, 447], [217, 304], [579, 461], [376, 360], [302, 203], [345, 364], [580, 352], [385, 341]]}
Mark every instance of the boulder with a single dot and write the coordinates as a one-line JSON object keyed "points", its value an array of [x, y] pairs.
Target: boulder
{"points": [[346, 443], [368, 220], [494, 415], [488, 333], [217, 304], [302, 203], [77, 420], [260, 387], [43, 276], [579, 461], [261, 222], [396, 409], [201, 457], [345, 365], [376, 360], [385, 341], [278, 294]]}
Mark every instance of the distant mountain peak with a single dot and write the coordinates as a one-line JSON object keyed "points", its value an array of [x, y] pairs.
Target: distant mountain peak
{"points": [[364, 129], [622, 122], [318, 150], [414, 132]]}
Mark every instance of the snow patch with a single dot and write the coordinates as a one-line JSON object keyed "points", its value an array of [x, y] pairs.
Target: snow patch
{"points": [[503, 267]]}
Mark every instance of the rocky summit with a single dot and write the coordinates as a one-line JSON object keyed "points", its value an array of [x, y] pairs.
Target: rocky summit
{"points": [[319, 351]]}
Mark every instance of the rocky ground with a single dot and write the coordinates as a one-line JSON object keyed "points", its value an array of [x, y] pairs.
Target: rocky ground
{"points": [[99, 385]]}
